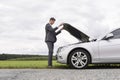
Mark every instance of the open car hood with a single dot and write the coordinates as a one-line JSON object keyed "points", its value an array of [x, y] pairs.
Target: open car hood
{"points": [[76, 33]]}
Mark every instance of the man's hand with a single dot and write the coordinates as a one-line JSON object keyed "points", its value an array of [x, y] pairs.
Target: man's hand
{"points": [[61, 24]]}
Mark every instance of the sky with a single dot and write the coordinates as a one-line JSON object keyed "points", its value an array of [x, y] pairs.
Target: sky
{"points": [[22, 22]]}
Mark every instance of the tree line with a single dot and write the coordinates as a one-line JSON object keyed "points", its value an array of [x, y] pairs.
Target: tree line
{"points": [[23, 57]]}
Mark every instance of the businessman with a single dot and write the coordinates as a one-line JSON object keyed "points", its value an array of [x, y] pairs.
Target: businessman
{"points": [[50, 38]]}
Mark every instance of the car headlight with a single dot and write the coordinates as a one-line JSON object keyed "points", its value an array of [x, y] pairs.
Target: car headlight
{"points": [[60, 49], [63, 48]]}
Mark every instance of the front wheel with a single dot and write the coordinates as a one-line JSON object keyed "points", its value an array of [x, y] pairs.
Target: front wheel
{"points": [[79, 59]]}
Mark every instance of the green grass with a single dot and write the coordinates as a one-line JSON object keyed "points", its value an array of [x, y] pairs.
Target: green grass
{"points": [[29, 64], [42, 64]]}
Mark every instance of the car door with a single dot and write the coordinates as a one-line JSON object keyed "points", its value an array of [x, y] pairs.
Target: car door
{"points": [[109, 50]]}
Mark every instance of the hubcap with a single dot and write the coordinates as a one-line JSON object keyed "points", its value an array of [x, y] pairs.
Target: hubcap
{"points": [[79, 59]]}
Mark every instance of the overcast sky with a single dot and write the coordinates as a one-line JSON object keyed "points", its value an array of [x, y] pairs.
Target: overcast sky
{"points": [[22, 22]]}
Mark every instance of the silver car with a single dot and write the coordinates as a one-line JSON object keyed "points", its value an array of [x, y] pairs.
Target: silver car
{"points": [[106, 49]]}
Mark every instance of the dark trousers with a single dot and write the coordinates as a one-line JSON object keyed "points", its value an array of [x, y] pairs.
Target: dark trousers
{"points": [[50, 48]]}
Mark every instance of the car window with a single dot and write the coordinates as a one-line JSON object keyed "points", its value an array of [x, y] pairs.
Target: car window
{"points": [[116, 34]]}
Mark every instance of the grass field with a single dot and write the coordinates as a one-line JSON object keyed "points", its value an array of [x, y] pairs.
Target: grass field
{"points": [[29, 64], [42, 64]]}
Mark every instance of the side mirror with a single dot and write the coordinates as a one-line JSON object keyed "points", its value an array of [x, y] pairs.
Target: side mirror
{"points": [[110, 35]]}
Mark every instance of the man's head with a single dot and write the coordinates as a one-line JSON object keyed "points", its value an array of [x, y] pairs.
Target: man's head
{"points": [[52, 20]]}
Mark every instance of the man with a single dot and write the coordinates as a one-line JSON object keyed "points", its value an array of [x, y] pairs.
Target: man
{"points": [[50, 38]]}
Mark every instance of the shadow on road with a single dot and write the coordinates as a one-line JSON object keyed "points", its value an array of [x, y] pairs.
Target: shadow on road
{"points": [[104, 66]]}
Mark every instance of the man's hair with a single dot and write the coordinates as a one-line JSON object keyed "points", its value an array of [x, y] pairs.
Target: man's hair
{"points": [[52, 18]]}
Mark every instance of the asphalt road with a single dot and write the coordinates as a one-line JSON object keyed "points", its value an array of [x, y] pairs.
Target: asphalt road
{"points": [[60, 74]]}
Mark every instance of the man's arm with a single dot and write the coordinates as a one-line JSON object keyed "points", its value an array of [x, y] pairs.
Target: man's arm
{"points": [[58, 32], [48, 27], [57, 28]]}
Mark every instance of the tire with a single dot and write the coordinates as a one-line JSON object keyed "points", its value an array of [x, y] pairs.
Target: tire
{"points": [[79, 59]]}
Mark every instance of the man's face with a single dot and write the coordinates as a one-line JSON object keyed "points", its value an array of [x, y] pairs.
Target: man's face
{"points": [[52, 22]]}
